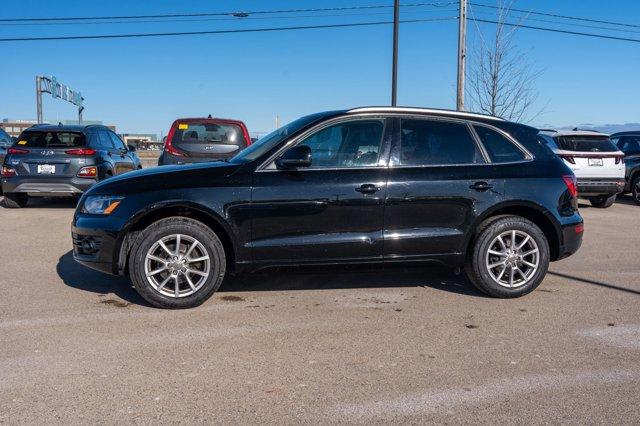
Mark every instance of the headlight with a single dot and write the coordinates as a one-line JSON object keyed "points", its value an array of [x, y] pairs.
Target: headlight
{"points": [[101, 204]]}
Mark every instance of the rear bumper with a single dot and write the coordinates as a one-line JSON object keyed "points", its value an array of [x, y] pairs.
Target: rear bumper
{"points": [[600, 186], [47, 186], [571, 239], [167, 159]]}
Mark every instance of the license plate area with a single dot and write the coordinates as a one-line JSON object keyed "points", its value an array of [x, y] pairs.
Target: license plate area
{"points": [[46, 169], [596, 162]]}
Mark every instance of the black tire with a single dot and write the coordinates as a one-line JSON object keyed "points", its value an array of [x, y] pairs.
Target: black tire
{"points": [[191, 228], [476, 267], [603, 201], [15, 200], [635, 189]]}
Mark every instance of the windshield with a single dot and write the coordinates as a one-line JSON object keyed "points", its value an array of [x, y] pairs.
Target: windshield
{"points": [[586, 144], [273, 139]]}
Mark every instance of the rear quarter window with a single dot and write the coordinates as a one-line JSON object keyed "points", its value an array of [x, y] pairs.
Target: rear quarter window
{"points": [[46, 139], [499, 148]]}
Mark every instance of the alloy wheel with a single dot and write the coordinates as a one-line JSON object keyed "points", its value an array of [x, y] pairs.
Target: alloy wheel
{"points": [[177, 265], [513, 258]]}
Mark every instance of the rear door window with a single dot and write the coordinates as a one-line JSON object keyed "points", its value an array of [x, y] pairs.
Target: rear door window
{"points": [[105, 140], [499, 148], [585, 143], [432, 142], [44, 139]]}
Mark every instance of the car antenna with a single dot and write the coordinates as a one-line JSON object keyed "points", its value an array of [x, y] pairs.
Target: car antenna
{"points": [[209, 116], [59, 123]]}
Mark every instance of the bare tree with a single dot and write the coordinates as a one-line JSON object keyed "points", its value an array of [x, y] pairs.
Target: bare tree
{"points": [[501, 78]]}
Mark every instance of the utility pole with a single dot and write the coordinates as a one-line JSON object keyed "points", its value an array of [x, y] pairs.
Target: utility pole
{"points": [[38, 100], [394, 70], [462, 54]]}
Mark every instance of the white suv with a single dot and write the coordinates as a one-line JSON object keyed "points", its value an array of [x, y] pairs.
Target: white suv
{"points": [[597, 163]]}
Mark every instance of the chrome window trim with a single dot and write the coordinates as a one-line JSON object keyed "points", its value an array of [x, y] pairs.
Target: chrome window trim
{"points": [[318, 127]]}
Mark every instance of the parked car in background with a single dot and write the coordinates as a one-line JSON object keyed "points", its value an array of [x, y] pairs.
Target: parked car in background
{"points": [[194, 140], [597, 163], [5, 143], [366, 185], [54, 161], [629, 143]]}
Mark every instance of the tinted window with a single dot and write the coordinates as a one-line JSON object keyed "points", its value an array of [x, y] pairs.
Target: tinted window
{"points": [[348, 144], [43, 139], [630, 145], [426, 142], [585, 143], [117, 142], [105, 140], [5, 139], [499, 148], [208, 133]]}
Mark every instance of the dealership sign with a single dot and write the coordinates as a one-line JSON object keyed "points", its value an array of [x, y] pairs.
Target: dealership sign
{"points": [[62, 91], [58, 90]]}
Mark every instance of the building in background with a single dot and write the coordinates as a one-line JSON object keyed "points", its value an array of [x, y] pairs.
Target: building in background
{"points": [[15, 127], [144, 141]]}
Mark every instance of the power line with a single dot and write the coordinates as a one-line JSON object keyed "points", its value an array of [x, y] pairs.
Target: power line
{"points": [[555, 30], [575, 18], [235, 13], [245, 30], [329, 15]]}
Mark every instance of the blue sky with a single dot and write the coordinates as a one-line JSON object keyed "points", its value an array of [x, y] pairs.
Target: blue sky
{"points": [[142, 85]]}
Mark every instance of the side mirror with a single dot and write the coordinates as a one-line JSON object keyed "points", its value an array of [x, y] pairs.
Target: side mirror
{"points": [[298, 156], [131, 148]]}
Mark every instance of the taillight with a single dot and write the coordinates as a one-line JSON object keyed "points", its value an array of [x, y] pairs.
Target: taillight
{"points": [[579, 228], [8, 171], [18, 151], [572, 184], [170, 148], [568, 158], [88, 172], [619, 159], [80, 151]]}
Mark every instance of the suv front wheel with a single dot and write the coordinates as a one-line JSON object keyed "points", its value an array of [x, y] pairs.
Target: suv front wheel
{"points": [[509, 257], [176, 263]]}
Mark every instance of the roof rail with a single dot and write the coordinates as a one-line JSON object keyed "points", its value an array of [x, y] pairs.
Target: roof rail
{"points": [[425, 111]]}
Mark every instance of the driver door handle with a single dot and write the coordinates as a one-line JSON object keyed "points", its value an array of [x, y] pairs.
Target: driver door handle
{"points": [[368, 188]]}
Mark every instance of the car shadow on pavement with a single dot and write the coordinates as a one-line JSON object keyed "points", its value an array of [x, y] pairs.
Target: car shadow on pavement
{"points": [[626, 199], [52, 203], [328, 278], [350, 277], [77, 276]]}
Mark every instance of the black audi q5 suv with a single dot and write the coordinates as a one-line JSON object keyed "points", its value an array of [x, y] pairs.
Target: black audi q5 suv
{"points": [[62, 161], [365, 185]]}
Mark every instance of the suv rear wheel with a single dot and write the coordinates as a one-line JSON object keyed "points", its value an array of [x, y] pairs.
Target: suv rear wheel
{"points": [[176, 263], [635, 189], [603, 201], [15, 200], [509, 258]]}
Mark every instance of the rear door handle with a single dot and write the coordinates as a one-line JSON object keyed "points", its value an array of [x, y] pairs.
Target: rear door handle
{"points": [[368, 188], [481, 186]]}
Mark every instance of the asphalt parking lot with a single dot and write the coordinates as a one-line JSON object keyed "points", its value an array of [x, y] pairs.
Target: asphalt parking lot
{"points": [[350, 345]]}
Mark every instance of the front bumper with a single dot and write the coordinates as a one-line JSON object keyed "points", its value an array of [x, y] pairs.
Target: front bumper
{"points": [[600, 186], [47, 186], [96, 242]]}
